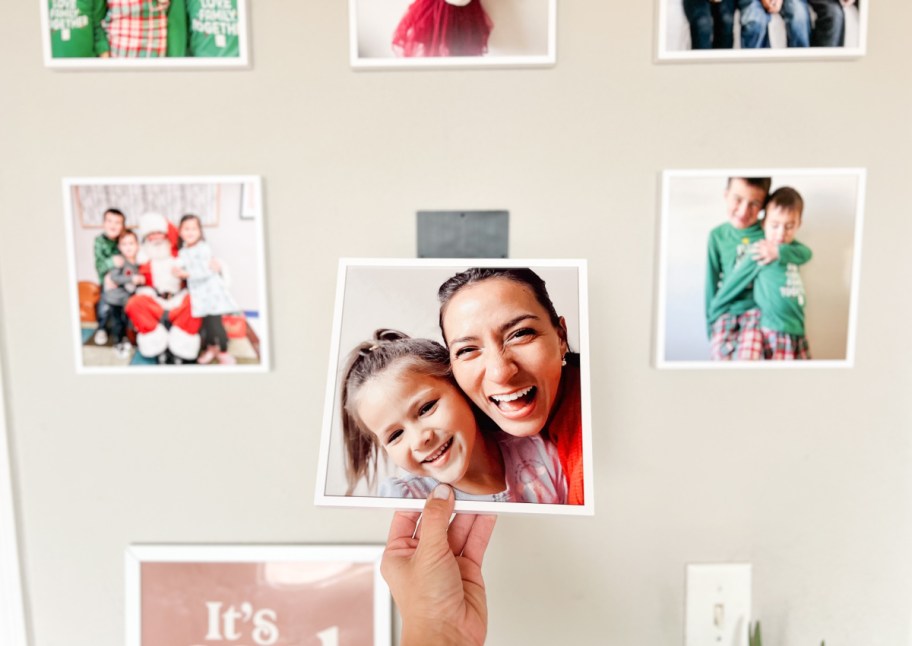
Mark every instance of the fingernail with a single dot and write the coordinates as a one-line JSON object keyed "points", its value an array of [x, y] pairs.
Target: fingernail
{"points": [[441, 491]]}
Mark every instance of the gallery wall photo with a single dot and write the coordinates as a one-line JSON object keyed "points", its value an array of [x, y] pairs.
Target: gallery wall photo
{"points": [[452, 33], [326, 595], [142, 34], [167, 274], [722, 305], [500, 434], [720, 30]]}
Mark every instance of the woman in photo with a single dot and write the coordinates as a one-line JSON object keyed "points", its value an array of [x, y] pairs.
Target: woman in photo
{"points": [[509, 354]]}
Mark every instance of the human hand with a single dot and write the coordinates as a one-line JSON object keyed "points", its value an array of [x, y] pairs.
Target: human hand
{"points": [[118, 261], [139, 279], [177, 272], [104, 55], [215, 265], [436, 578], [765, 252], [108, 282]]}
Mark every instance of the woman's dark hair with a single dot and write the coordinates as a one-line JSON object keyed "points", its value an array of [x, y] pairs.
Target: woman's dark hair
{"points": [[388, 347], [521, 275], [199, 223]]}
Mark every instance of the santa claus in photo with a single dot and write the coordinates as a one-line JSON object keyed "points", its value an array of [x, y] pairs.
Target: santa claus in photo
{"points": [[160, 309]]}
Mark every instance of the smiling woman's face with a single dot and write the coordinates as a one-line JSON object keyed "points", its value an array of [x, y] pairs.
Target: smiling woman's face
{"points": [[505, 352]]}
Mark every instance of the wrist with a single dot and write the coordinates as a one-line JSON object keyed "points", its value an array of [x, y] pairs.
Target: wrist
{"points": [[420, 632]]}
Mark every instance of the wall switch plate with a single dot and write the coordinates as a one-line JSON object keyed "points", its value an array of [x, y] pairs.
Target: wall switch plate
{"points": [[718, 604]]}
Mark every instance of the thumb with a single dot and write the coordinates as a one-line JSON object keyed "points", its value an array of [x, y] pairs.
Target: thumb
{"points": [[435, 520]]}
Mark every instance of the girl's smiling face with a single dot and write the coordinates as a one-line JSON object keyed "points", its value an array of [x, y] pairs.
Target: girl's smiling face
{"points": [[505, 352], [423, 422], [190, 232]]}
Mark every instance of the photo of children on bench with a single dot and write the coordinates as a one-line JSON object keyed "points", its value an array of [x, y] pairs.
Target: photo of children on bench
{"points": [[759, 267], [167, 272], [151, 33], [742, 29]]}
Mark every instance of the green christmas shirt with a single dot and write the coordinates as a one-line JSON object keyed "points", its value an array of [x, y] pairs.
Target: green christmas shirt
{"points": [[105, 250], [777, 289], [76, 30], [204, 28], [726, 246]]}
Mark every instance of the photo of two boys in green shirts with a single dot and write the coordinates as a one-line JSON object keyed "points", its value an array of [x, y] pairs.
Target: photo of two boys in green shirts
{"points": [[753, 265], [195, 28]]}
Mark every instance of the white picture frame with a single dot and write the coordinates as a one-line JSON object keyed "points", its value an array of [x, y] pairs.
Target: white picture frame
{"points": [[673, 39], [112, 64], [693, 204], [524, 34], [220, 197], [320, 584], [401, 294]]}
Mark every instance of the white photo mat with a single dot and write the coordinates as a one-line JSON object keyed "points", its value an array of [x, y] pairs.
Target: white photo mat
{"points": [[372, 23], [242, 60], [682, 258], [432, 272], [251, 182], [672, 21], [318, 557]]}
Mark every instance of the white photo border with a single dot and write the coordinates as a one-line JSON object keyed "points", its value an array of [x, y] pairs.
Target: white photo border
{"points": [[586, 509], [136, 555], [661, 327], [451, 62], [265, 346], [241, 61], [664, 55]]}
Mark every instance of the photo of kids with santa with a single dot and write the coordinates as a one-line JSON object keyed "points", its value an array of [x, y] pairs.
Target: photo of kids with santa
{"points": [[167, 274]]}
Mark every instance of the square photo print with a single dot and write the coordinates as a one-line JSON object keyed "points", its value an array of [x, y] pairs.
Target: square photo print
{"points": [[475, 375], [718, 30], [759, 268], [270, 595], [99, 34], [167, 274], [452, 33]]}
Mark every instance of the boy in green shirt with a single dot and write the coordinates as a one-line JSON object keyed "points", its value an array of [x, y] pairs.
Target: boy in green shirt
{"points": [[107, 257], [745, 198], [76, 30], [777, 287]]}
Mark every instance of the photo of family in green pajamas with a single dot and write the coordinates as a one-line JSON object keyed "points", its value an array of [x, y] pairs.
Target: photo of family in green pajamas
{"points": [[144, 29], [777, 255]]}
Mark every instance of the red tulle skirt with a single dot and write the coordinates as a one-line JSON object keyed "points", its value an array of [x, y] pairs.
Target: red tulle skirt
{"points": [[437, 28]]}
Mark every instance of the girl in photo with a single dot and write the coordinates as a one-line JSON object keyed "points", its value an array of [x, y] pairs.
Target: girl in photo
{"points": [[209, 296], [399, 395]]}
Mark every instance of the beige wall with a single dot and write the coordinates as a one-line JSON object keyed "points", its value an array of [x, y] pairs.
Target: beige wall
{"points": [[806, 474]]}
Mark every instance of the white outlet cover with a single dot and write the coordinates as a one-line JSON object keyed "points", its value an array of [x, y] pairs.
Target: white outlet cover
{"points": [[718, 604]]}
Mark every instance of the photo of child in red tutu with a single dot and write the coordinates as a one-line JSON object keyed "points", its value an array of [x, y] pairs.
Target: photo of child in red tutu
{"points": [[463, 33], [443, 28]]}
